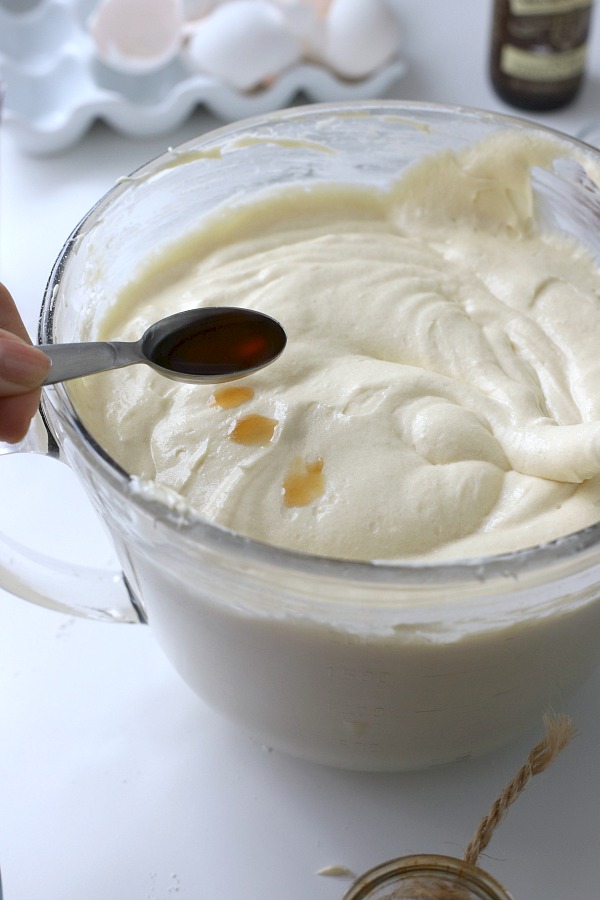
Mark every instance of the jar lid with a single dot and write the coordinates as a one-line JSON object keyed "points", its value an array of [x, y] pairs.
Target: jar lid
{"points": [[426, 877]]}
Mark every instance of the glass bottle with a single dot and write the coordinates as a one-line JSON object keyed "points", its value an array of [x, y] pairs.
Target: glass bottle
{"points": [[426, 877], [538, 51]]}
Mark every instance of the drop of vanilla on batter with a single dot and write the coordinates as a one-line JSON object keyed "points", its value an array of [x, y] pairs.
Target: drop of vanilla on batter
{"points": [[304, 482], [231, 395], [253, 430]]}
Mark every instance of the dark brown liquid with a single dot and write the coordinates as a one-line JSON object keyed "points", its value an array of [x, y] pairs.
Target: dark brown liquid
{"points": [[234, 341]]}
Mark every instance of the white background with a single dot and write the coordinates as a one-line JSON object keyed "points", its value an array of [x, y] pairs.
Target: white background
{"points": [[115, 781]]}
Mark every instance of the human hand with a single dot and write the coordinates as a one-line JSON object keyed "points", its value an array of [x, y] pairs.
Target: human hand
{"points": [[22, 370]]}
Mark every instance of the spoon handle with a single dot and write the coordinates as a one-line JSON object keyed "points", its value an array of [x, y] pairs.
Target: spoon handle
{"points": [[75, 360]]}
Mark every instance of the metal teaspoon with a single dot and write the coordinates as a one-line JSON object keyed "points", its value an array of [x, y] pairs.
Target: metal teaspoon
{"points": [[206, 345]]}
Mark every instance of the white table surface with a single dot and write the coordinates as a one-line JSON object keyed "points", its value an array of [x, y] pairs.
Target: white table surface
{"points": [[115, 781]]}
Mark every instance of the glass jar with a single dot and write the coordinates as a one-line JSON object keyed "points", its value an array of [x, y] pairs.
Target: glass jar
{"points": [[426, 877]]}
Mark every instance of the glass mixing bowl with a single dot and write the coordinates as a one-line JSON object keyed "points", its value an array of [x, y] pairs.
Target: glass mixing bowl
{"points": [[351, 664]]}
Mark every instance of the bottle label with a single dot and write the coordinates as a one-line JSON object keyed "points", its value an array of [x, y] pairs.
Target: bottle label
{"points": [[546, 7], [542, 66]]}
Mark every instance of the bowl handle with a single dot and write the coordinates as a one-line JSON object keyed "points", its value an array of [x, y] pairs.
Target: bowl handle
{"points": [[85, 591]]}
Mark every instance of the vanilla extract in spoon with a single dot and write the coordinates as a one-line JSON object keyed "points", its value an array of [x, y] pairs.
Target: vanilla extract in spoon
{"points": [[208, 345]]}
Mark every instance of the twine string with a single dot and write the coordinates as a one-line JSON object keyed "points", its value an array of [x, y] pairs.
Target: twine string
{"points": [[559, 731]]}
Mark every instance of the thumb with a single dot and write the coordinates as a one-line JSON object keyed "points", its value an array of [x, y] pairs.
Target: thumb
{"points": [[22, 367]]}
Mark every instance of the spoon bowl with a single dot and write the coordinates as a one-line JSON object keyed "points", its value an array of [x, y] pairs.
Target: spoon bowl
{"points": [[207, 345]]}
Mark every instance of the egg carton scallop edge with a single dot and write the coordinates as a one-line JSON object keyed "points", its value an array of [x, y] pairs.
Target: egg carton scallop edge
{"points": [[52, 134]]}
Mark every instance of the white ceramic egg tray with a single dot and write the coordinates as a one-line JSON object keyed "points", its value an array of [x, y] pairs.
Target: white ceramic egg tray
{"points": [[55, 87]]}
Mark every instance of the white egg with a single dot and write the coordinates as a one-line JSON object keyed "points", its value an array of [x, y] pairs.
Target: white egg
{"points": [[317, 7], [137, 36], [359, 36], [299, 16], [245, 43], [304, 18]]}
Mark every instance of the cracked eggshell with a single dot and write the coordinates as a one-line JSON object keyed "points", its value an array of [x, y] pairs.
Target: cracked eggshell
{"points": [[358, 37], [246, 43], [193, 9], [136, 36]]}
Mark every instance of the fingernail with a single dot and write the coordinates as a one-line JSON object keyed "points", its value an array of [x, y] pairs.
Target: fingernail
{"points": [[22, 365]]}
